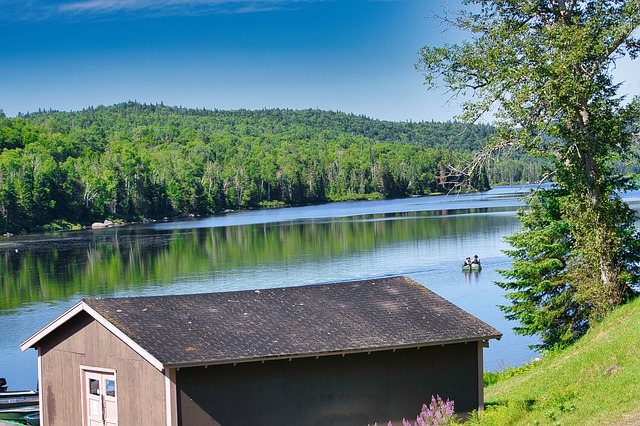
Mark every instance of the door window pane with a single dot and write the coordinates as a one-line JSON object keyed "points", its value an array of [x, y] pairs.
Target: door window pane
{"points": [[94, 387], [110, 385]]}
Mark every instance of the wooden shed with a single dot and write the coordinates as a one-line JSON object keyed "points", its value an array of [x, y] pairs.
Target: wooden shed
{"points": [[350, 353]]}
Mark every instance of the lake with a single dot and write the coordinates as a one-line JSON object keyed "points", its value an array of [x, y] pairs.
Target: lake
{"points": [[425, 239]]}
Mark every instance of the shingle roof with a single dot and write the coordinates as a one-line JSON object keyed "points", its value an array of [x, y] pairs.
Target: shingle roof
{"points": [[200, 329]]}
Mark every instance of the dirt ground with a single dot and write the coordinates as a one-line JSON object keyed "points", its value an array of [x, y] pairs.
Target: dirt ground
{"points": [[628, 420]]}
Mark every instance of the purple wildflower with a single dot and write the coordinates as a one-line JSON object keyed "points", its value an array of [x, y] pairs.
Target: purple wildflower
{"points": [[435, 414]]}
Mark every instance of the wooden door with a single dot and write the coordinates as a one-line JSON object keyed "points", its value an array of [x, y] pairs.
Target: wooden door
{"points": [[100, 398]]}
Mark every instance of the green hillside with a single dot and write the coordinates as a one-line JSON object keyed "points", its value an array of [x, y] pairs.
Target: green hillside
{"points": [[172, 123], [132, 161], [594, 382]]}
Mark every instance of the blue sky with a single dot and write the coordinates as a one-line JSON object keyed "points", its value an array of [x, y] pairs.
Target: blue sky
{"points": [[354, 56]]}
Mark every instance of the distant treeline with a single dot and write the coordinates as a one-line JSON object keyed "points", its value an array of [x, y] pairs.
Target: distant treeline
{"points": [[132, 160]]}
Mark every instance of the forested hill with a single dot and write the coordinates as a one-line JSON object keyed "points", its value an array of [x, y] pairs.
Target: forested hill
{"points": [[171, 123], [132, 161]]}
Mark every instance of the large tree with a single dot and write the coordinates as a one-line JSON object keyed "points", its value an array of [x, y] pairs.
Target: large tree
{"points": [[544, 70]]}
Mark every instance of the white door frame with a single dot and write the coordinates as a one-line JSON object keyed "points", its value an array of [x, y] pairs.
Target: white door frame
{"points": [[102, 400]]}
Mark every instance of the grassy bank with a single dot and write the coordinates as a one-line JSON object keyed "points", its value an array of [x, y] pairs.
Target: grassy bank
{"points": [[595, 382]]}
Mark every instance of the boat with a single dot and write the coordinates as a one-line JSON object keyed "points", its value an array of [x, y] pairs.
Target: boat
{"points": [[22, 405], [18, 399], [33, 419], [19, 413], [474, 267], [15, 394]]}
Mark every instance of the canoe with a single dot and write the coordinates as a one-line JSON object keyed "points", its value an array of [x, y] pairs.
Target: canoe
{"points": [[468, 268], [18, 413]]}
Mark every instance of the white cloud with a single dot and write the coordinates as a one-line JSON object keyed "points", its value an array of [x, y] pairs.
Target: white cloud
{"points": [[112, 6], [39, 10]]}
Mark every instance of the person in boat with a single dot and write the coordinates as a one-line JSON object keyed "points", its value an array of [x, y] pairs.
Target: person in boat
{"points": [[467, 262], [476, 260]]}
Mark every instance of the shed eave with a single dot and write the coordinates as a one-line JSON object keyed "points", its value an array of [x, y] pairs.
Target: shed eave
{"points": [[32, 342], [242, 360]]}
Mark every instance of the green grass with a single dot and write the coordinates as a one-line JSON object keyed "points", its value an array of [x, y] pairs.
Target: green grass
{"points": [[570, 387]]}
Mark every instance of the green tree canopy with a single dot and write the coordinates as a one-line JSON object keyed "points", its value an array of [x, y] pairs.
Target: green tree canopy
{"points": [[544, 70], [132, 161]]}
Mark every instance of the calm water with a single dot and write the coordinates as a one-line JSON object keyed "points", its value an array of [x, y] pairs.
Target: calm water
{"points": [[425, 239]]}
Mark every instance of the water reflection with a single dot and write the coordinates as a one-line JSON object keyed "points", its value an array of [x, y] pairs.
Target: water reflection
{"points": [[471, 276], [122, 259]]}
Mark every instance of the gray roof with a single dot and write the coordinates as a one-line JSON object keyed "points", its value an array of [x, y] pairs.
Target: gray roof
{"points": [[314, 320]]}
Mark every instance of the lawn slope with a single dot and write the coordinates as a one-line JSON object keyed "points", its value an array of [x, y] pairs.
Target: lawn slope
{"points": [[594, 382]]}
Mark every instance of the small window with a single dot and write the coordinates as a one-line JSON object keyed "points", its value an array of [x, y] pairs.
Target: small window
{"points": [[94, 387], [110, 385]]}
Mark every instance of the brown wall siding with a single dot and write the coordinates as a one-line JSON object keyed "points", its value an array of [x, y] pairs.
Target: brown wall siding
{"points": [[356, 389], [82, 341]]}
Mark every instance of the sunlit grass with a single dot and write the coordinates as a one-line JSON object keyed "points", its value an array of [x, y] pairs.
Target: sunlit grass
{"points": [[595, 382]]}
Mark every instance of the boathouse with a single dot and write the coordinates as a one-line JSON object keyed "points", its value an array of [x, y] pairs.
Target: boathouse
{"points": [[349, 353]]}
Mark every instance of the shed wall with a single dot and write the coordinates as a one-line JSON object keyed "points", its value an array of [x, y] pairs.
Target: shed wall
{"points": [[84, 342], [355, 389]]}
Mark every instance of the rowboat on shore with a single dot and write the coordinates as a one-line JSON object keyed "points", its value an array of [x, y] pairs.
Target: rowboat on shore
{"points": [[18, 399], [17, 394], [18, 413], [20, 406], [33, 419]]}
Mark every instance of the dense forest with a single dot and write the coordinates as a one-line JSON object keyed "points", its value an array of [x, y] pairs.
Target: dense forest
{"points": [[131, 161]]}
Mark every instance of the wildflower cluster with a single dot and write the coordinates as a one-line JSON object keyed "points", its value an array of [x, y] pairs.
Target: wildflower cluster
{"points": [[435, 414]]}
